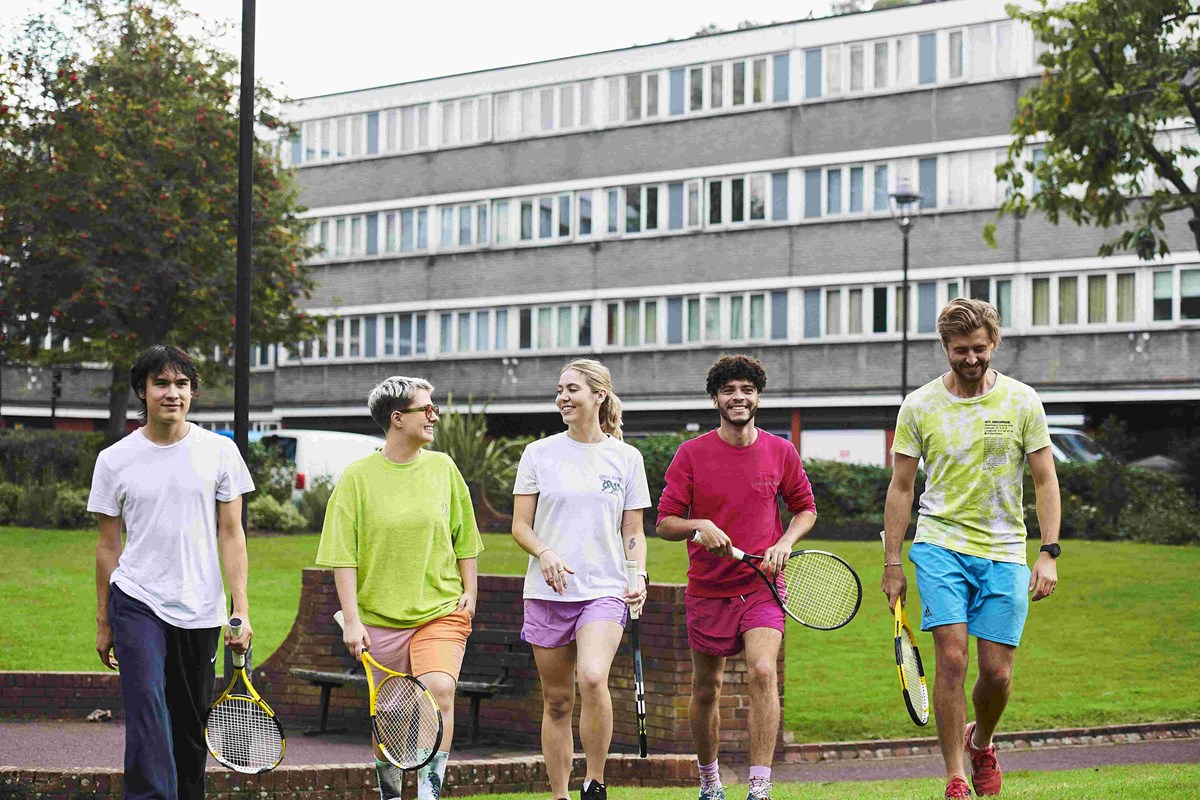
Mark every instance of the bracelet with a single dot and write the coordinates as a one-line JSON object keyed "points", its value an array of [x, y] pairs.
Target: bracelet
{"points": [[544, 549], [887, 564]]}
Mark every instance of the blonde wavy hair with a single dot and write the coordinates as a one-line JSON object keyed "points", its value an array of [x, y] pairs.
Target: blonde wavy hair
{"points": [[599, 379]]}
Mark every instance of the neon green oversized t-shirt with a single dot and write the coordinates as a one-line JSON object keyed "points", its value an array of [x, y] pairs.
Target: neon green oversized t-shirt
{"points": [[404, 526], [974, 450]]}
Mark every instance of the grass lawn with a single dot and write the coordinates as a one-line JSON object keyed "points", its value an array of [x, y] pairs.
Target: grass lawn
{"points": [[1111, 783], [1118, 642]]}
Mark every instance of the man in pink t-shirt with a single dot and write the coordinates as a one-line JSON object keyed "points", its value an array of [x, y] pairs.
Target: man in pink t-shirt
{"points": [[724, 485]]}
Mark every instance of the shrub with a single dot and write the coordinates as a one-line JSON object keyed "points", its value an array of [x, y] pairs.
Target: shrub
{"points": [[268, 514], [273, 474], [313, 502], [70, 508], [68, 456], [38, 501], [12, 498]]}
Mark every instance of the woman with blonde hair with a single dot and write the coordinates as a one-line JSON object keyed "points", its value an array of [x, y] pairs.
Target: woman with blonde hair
{"points": [[578, 514]]}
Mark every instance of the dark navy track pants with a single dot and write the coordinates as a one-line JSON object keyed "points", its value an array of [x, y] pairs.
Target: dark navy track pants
{"points": [[167, 678]]}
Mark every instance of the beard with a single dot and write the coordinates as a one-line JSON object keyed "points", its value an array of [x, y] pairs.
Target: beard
{"points": [[738, 423], [967, 374]]}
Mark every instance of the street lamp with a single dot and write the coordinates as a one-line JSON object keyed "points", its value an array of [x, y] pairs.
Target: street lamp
{"points": [[905, 206]]}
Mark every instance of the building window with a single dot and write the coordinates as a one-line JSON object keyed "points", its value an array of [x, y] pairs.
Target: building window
{"points": [[1041, 301], [1068, 300], [1164, 296], [1097, 298], [954, 42], [812, 74], [927, 58], [1126, 296], [1189, 294]]}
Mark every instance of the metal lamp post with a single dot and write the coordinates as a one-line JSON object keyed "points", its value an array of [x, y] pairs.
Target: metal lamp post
{"points": [[905, 206]]}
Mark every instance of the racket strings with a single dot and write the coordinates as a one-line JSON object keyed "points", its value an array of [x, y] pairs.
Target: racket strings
{"points": [[820, 590], [243, 736], [407, 721], [914, 681]]}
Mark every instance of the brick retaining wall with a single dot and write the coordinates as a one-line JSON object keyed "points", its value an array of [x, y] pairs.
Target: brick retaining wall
{"points": [[315, 642]]}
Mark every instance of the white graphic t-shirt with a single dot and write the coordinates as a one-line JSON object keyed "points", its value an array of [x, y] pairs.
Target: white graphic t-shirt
{"points": [[583, 489], [974, 450]]}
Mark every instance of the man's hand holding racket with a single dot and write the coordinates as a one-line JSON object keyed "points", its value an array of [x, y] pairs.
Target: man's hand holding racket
{"points": [[776, 557], [712, 538], [554, 570], [239, 642]]}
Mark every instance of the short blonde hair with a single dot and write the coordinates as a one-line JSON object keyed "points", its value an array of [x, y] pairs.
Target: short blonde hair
{"points": [[393, 393], [963, 316], [599, 379]]}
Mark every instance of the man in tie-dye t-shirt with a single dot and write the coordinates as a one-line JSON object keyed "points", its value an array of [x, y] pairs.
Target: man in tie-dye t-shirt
{"points": [[975, 429]]}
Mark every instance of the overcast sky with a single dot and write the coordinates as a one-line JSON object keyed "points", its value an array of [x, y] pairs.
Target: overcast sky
{"points": [[306, 48]]}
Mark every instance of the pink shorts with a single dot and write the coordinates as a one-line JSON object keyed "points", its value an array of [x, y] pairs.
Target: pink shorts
{"points": [[552, 623], [716, 625]]}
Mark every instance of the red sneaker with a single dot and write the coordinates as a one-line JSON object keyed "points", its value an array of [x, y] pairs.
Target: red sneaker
{"points": [[985, 769], [956, 789]]}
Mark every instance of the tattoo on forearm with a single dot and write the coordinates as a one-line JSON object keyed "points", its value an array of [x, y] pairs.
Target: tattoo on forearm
{"points": [[632, 543]]}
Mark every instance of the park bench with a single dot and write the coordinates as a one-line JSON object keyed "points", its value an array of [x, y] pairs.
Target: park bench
{"points": [[489, 664]]}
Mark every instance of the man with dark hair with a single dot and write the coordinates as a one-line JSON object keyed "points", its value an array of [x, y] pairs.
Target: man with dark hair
{"points": [[177, 489], [723, 485], [975, 429]]}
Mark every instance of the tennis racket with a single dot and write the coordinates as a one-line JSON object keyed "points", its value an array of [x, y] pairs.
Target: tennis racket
{"points": [[635, 640], [819, 590], [240, 729], [404, 716], [909, 667]]}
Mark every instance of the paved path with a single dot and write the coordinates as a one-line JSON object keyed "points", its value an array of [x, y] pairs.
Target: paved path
{"points": [[1040, 759], [66, 745]]}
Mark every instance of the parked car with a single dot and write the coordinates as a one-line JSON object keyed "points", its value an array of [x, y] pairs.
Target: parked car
{"points": [[1073, 446], [319, 454]]}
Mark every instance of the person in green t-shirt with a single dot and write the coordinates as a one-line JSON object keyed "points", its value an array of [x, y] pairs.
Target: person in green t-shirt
{"points": [[401, 538], [975, 429]]}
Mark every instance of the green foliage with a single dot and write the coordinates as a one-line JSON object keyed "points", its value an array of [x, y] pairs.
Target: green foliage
{"points": [[268, 514], [313, 502], [1186, 450], [657, 451], [12, 498], [68, 456], [1116, 72], [1109, 501], [273, 474], [119, 187], [488, 465], [70, 509]]}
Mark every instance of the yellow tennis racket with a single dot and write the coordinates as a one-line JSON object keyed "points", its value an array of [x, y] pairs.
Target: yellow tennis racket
{"points": [[404, 716], [908, 665], [240, 729]]}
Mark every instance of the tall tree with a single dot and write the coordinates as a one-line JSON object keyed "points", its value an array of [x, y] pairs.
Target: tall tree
{"points": [[118, 195], [1120, 90]]}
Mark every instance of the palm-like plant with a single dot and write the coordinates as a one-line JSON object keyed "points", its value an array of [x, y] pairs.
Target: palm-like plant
{"points": [[487, 464]]}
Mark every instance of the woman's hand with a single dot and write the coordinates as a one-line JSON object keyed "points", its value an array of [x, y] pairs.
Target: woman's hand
{"points": [[554, 571]]}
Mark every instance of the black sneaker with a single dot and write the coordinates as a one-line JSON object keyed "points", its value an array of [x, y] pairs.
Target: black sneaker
{"points": [[594, 791]]}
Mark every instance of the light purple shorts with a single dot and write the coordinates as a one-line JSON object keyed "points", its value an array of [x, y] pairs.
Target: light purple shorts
{"points": [[551, 623]]}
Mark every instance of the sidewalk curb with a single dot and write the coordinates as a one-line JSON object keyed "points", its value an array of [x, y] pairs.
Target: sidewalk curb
{"points": [[1020, 740]]}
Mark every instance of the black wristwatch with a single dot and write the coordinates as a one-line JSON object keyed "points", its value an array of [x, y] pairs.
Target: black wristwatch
{"points": [[1053, 549]]}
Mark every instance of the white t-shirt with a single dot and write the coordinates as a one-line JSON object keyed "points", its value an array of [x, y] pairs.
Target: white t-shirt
{"points": [[168, 496], [583, 489]]}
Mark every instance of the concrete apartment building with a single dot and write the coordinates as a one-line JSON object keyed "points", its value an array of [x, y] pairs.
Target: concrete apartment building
{"points": [[658, 206]]}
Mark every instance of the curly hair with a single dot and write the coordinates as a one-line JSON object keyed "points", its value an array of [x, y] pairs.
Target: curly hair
{"points": [[735, 368]]}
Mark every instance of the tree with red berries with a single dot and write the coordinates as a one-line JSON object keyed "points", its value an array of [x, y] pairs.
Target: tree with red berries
{"points": [[118, 197]]}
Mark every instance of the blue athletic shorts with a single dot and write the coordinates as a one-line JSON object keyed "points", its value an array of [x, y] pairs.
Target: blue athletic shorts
{"points": [[991, 597]]}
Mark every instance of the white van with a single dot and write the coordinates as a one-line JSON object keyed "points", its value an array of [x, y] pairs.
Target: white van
{"points": [[320, 453]]}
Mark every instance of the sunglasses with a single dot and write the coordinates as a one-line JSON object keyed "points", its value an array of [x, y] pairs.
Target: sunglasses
{"points": [[430, 410]]}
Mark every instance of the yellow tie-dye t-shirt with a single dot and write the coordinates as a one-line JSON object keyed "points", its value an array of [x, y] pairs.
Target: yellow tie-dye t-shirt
{"points": [[974, 450]]}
